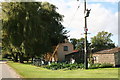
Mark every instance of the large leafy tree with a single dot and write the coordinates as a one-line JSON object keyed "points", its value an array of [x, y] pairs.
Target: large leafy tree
{"points": [[31, 28], [102, 41]]}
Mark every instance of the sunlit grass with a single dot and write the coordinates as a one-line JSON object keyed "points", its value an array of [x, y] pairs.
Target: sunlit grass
{"points": [[30, 71]]}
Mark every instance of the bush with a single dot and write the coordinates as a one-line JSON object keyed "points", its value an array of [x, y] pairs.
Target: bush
{"points": [[94, 66], [106, 65], [97, 65], [56, 66]]}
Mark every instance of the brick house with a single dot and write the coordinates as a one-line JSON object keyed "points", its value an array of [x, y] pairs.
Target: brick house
{"points": [[111, 56], [59, 52]]}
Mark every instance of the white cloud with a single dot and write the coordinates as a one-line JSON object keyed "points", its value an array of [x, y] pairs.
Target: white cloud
{"points": [[103, 19], [100, 17], [104, 0]]}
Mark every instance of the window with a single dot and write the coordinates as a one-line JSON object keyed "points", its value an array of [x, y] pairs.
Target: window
{"points": [[65, 48]]}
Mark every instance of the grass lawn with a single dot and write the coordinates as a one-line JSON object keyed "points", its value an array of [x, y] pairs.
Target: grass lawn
{"points": [[30, 71]]}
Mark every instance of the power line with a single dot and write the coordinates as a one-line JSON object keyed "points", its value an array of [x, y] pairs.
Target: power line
{"points": [[74, 15]]}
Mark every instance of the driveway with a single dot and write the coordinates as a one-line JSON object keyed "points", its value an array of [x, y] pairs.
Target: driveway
{"points": [[6, 71]]}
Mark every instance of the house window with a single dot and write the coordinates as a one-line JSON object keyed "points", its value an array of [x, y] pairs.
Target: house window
{"points": [[65, 48]]}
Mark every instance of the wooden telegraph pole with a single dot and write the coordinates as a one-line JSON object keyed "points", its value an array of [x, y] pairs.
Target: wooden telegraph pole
{"points": [[85, 42], [86, 12]]}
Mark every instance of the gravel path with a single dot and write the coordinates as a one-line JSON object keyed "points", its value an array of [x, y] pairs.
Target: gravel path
{"points": [[7, 72]]}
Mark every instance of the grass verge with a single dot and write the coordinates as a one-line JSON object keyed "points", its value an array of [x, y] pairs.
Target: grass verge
{"points": [[30, 71]]}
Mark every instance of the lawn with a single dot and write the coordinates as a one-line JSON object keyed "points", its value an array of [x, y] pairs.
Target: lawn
{"points": [[30, 71]]}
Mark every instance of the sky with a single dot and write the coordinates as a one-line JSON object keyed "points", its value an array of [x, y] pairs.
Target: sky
{"points": [[103, 17]]}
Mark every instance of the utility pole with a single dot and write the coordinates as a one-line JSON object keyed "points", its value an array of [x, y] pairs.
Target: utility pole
{"points": [[85, 42], [86, 12]]}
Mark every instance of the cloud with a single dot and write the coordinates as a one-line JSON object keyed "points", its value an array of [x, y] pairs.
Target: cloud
{"points": [[104, 1], [101, 18]]}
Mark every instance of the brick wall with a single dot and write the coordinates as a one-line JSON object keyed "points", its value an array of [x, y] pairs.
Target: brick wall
{"points": [[104, 58]]}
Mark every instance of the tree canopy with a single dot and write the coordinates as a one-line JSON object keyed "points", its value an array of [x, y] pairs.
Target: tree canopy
{"points": [[74, 42], [31, 28], [102, 41], [99, 42]]}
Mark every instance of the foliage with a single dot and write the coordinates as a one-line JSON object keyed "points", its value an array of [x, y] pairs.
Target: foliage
{"points": [[31, 29], [78, 43], [106, 65], [56, 66], [97, 65], [102, 41], [74, 42]]}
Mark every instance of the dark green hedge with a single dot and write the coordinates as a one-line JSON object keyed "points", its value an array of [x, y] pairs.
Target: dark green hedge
{"points": [[56, 66], [104, 65]]}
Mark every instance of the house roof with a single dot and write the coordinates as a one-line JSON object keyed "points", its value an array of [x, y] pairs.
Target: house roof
{"points": [[65, 43], [73, 52], [113, 50]]}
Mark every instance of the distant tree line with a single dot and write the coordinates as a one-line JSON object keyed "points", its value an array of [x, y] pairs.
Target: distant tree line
{"points": [[99, 42]]}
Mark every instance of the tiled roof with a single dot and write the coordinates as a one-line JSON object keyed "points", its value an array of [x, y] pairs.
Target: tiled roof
{"points": [[75, 50], [113, 50]]}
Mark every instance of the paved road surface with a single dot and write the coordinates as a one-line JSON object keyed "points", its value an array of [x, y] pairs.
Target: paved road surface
{"points": [[6, 71]]}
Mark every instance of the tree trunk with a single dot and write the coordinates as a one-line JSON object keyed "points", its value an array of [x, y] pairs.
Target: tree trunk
{"points": [[15, 57], [21, 58], [32, 59]]}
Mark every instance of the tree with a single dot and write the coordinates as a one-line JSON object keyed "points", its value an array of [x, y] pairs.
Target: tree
{"points": [[74, 42], [102, 41], [80, 44], [31, 29]]}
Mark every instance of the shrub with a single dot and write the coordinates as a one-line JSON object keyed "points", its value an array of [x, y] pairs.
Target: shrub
{"points": [[81, 66], [97, 65], [106, 65], [56, 66], [94, 66]]}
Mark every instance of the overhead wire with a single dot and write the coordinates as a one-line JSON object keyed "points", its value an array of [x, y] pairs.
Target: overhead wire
{"points": [[74, 15]]}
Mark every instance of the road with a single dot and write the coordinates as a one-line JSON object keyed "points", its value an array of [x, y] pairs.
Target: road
{"points": [[6, 71]]}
